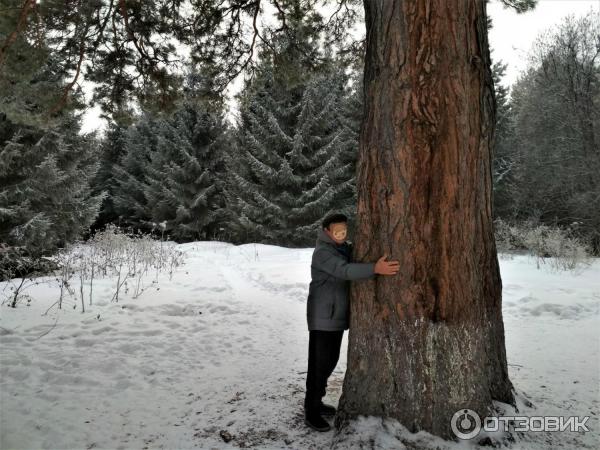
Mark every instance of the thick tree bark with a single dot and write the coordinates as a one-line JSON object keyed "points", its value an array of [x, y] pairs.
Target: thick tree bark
{"points": [[430, 340]]}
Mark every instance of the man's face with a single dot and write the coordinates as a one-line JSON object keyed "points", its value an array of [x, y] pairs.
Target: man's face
{"points": [[338, 231]]}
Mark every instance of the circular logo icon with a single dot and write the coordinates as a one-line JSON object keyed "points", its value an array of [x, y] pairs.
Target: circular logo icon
{"points": [[466, 424]]}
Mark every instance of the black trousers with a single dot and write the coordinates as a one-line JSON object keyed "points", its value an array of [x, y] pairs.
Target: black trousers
{"points": [[323, 355]]}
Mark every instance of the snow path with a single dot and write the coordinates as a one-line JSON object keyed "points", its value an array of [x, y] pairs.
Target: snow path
{"points": [[155, 372], [552, 327], [224, 346]]}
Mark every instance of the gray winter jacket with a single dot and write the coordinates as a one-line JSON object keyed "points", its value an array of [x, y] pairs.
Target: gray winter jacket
{"points": [[331, 271]]}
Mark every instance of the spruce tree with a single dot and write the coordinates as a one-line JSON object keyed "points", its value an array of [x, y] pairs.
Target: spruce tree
{"points": [[351, 117], [45, 199], [46, 166], [171, 177], [294, 154], [185, 176], [111, 150], [129, 199], [504, 157]]}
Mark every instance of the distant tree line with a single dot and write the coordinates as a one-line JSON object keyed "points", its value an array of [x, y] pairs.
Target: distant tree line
{"points": [[547, 152], [272, 177], [289, 159]]}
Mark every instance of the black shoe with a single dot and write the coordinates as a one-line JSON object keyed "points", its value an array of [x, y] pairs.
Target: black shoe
{"points": [[326, 410], [316, 422]]}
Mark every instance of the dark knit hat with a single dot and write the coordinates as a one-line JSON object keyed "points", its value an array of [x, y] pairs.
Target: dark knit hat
{"points": [[334, 218]]}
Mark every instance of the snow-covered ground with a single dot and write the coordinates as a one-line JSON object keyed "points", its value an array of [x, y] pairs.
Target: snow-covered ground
{"points": [[221, 349]]}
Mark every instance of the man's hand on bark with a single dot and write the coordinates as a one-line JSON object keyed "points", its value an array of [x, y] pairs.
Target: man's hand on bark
{"points": [[383, 267]]}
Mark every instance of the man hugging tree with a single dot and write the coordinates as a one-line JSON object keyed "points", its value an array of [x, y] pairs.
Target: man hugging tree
{"points": [[327, 310]]}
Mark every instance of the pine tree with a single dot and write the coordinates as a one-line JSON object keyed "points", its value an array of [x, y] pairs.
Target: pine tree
{"points": [[31, 81]]}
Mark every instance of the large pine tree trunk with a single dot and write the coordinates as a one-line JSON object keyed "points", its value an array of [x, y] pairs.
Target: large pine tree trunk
{"points": [[430, 340]]}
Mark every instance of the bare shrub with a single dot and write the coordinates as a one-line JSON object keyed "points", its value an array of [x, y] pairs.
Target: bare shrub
{"points": [[556, 247], [111, 253]]}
